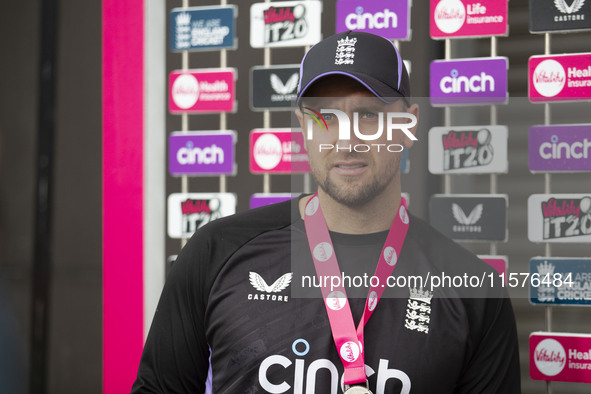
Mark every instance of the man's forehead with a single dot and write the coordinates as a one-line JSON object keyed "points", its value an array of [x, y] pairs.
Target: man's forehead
{"points": [[352, 101]]}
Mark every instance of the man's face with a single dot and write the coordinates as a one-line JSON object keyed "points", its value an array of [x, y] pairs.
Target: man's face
{"points": [[352, 177]]}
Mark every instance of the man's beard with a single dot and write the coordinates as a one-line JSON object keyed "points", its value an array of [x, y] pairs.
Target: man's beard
{"points": [[359, 194]]}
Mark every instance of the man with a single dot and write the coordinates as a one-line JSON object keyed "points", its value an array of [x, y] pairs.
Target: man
{"points": [[252, 304]]}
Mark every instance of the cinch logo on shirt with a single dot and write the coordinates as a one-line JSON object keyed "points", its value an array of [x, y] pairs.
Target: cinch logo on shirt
{"points": [[304, 375], [267, 293]]}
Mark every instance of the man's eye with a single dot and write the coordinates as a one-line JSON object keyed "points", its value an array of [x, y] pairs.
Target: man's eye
{"points": [[328, 117], [368, 115]]}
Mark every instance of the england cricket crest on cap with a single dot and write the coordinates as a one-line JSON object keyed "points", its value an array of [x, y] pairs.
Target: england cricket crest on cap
{"points": [[345, 53]]}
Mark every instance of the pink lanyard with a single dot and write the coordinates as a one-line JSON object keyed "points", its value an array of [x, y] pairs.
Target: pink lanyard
{"points": [[349, 342]]}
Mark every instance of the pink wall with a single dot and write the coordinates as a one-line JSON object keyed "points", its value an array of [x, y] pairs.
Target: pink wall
{"points": [[123, 121]]}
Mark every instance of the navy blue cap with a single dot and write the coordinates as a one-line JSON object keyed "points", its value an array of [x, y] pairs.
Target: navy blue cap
{"points": [[370, 59]]}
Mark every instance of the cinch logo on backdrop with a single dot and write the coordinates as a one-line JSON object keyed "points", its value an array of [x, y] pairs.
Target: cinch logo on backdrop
{"points": [[373, 16], [201, 153], [394, 121], [474, 81], [565, 148]]}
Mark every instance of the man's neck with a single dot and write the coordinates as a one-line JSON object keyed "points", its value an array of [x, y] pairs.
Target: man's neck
{"points": [[377, 215]]}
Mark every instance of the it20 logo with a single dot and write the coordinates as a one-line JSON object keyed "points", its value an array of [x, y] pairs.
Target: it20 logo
{"points": [[285, 23], [465, 149], [569, 217]]}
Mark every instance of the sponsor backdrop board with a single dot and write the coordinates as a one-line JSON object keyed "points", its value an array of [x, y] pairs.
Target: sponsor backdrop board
{"points": [[559, 218], [559, 15], [559, 356], [469, 81], [188, 212], [468, 149], [499, 263], [278, 151], [202, 90], [285, 23], [262, 199], [466, 18], [560, 148], [470, 217], [562, 281], [202, 28], [202, 153], [388, 19], [274, 87], [560, 77]]}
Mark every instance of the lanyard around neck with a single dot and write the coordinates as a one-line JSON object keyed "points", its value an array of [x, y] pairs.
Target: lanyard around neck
{"points": [[348, 340]]}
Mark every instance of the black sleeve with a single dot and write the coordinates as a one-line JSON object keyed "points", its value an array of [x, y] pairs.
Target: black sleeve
{"points": [[176, 354], [492, 365]]}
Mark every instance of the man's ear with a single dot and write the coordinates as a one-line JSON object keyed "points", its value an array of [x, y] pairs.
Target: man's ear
{"points": [[414, 110], [300, 115]]}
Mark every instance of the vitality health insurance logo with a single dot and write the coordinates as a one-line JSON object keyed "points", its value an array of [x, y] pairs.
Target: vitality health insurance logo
{"points": [[285, 23], [389, 20], [563, 281], [274, 87], [469, 81], [468, 149], [277, 151], [559, 217], [560, 77], [202, 90], [202, 153], [188, 212], [470, 216], [465, 18], [559, 15], [564, 148], [202, 28], [563, 357]]}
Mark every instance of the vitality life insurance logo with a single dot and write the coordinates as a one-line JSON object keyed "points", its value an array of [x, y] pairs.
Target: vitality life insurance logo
{"points": [[469, 81], [466, 18]]}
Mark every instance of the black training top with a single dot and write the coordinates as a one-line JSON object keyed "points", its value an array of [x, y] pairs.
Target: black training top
{"points": [[241, 313]]}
